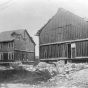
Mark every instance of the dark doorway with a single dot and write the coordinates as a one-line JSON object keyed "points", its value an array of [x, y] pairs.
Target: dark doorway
{"points": [[69, 50], [5, 56]]}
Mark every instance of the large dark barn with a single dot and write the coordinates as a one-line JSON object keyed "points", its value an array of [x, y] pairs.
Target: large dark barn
{"points": [[64, 36]]}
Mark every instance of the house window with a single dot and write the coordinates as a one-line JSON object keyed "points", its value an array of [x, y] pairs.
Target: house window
{"points": [[1, 56], [10, 56], [0, 45], [10, 44]]}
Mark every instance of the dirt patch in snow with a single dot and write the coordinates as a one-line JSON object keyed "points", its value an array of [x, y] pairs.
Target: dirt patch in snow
{"points": [[23, 76]]}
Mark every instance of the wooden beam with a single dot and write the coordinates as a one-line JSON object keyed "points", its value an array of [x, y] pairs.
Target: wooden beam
{"points": [[82, 57], [63, 58], [70, 41], [24, 51]]}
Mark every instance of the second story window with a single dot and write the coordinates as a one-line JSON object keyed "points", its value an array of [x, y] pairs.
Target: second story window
{"points": [[10, 44], [0, 45]]}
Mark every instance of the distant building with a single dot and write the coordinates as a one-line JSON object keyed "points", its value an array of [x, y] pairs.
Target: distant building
{"points": [[64, 36], [15, 46]]}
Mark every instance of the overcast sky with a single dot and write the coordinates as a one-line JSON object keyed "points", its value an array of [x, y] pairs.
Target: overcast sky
{"points": [[33, 14]]}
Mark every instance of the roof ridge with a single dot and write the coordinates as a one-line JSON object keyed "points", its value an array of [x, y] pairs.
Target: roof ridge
{"points": [[12, 30], [64, 11], [70, 13]]}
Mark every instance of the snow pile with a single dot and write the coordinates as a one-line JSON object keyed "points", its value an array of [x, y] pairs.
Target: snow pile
{"points": [[28, 67], [45, 66], [2, 68], [16, 65], [71, 75], [54, 68], [55, 75], [60, 68], [72, 67]]}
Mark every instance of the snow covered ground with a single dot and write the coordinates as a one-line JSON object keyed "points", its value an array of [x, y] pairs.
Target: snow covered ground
{"points": [[66, 76]]}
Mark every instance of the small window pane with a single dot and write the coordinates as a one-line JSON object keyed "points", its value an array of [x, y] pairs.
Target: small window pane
{"points": [[10, 56]]}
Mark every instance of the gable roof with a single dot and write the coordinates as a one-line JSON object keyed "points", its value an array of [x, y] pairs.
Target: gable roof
{"points": [[64, 18], [7, 35], [30, 37]]}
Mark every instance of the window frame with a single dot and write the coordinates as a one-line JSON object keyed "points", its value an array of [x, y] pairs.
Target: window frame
{"points": [[10, 55], [10, 44], [1, 56]]}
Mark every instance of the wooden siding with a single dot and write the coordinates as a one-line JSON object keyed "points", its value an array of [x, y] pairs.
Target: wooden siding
{"points": [[23, 56], [64, 26], [31, 56], [25, 45], [82, 49], [53, 51], [63, 34], [20, 56], [61, 50], [30, 46], [19, 44], [5, 47]]}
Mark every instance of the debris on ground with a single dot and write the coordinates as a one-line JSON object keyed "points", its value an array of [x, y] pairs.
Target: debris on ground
{"points": [[45, 75]]}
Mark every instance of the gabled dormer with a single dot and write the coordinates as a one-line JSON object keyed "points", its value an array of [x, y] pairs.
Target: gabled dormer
{"points": [[17, 35]]}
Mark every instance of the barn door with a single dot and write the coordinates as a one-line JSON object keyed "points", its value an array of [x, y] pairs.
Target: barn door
{"points": [[69, 50], [73, 50]]}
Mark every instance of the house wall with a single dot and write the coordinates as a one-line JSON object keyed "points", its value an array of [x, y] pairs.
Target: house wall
{"points": [[31, 56], [23, 48], [30, 45], [5, 50], [20, 56], [25, 44], [64, 26], [23, 56], [19, 44], [5, 47]]}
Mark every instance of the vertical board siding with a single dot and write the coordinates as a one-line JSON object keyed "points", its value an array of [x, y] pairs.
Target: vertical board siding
{"points": [[71, 27], [82, 48], [64, 26], [53, 51], [70, 32], [61, 50]]}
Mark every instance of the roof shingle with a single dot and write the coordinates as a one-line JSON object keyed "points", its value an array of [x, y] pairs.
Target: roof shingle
{"points": [[6, 36]]}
